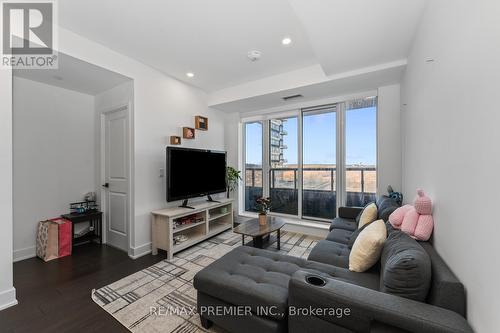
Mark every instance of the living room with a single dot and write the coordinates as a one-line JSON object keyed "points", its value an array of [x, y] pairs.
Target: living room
{"points": [[284, 166]]}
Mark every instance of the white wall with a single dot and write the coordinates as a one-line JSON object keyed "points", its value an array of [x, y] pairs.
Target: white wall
{"points": [[7, 291], [451, 136], [389, 139], [231, 139], [161, 106], [54, 156]]}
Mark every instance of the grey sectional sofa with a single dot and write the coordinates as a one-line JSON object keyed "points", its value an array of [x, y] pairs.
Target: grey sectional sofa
{"points": [[411, 289]]}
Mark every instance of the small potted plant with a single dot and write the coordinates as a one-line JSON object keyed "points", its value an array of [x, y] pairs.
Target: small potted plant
{"points": [[263, 205], [232, 178]]}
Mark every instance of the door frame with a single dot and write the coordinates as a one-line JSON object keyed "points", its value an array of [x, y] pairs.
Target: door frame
{"points": [[102, 171]]}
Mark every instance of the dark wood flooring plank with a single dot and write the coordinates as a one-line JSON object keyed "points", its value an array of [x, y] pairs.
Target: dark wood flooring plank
{"points": [[55, 296]]}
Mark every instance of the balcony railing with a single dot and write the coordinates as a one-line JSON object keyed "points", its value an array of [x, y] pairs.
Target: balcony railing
{"points": [[319, 189]]}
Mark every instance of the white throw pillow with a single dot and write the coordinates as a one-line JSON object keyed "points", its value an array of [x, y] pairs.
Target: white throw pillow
{"points": [[368, 215], [368, 247]]}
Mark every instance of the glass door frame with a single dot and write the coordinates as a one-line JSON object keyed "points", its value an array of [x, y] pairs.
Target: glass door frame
{"points": [[340, 186], [266, 163], [340, 155]]}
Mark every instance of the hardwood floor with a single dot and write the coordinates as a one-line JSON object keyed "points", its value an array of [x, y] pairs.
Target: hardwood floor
{"points": [[55, 296]]}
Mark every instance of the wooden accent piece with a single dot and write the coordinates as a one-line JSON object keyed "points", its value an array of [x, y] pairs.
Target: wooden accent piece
{"points": [[188, 133], [175, 140], [261, 234], [253, 228], [201, 123]]}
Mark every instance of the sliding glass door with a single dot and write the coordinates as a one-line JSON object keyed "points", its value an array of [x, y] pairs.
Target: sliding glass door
{"points": [[319, 162], [313, 160], [253, 164], [283, 161]]}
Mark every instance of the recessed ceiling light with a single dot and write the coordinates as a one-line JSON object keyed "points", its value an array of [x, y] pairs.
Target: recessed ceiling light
{"points": [[189, 74], [286, 41]]}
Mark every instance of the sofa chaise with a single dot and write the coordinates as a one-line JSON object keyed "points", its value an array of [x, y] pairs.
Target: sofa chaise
{"points": [[255, 290]]}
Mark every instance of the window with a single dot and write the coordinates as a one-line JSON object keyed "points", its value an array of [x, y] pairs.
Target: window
{"points": [[253, 165], [361, 151], [313, 160], [283, 158], [319, 155]]}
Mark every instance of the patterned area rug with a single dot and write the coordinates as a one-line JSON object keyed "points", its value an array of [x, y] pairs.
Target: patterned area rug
{"points": [[161, 298]]}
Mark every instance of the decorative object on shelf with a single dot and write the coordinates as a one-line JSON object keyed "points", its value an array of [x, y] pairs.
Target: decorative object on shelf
{"points": [[175, 140], [90, 196], [263, 205], [188, 133], [201, 123], [180, 239], [83, 206], [233, 176]]}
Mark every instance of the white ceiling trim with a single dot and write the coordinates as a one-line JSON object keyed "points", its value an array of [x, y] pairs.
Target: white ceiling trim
{"points": [[292, 80]]}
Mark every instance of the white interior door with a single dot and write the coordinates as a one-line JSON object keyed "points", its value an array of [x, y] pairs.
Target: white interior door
{"points": [[116, 180]]}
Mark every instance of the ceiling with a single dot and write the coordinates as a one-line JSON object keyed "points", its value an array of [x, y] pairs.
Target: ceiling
{"points": [[350, 34], [212, 38], [340, 86], [74, 74]]}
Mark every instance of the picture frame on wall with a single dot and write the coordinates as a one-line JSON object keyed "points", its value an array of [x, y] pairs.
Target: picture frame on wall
{"points": [[201, 123], [188, 133], [175, 140]]}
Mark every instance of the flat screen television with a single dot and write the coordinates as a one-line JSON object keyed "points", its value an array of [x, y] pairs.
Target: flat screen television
{"points": [[194, 173]]}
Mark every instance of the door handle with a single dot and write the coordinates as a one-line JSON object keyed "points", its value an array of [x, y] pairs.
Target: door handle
{"points": [[106, 185]]}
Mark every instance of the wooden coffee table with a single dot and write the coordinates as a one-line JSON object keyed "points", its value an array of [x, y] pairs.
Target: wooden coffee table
{"points": [[258, 232]]}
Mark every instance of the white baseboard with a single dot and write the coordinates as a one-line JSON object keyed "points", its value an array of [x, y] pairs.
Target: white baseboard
{"points": [[8, 298], [22, 254], [140, 251]]}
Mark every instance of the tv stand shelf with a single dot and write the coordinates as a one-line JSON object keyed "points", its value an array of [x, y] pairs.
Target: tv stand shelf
{"points": [[217, 217]]}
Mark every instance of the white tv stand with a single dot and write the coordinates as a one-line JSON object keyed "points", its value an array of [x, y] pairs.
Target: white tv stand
{"points": [[217, 217]]}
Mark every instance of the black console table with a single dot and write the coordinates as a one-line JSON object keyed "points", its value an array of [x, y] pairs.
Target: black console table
{"points": [[95, 220]]}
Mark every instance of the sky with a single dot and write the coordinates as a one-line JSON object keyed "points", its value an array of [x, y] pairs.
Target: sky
{"points": [[319, 136]]}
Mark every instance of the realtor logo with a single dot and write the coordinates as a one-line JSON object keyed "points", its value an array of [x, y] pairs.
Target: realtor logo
{"points": [[28, 35]]}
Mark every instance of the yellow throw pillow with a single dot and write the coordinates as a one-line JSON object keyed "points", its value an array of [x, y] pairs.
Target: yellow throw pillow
{"points": [[368, 215], [368, 247]]}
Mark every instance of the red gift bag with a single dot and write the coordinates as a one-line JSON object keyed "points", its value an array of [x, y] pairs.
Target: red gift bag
{"points": [[65, 236]]}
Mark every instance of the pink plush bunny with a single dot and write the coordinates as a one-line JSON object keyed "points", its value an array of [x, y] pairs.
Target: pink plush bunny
{"points": [[415, 220]]}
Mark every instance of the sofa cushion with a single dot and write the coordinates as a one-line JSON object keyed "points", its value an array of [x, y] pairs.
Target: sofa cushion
{"points": [[340, 236], [331, 253], [368, 247], [446, 291], [343, 223], [405, 267], [256, 277], [385, 207], [368, 215]]}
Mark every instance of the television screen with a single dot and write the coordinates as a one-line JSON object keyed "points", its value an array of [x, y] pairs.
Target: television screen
{"points": [[194, 172]]}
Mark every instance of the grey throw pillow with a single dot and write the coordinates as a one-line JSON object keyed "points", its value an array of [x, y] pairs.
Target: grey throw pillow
{"points": [[405, 267]]}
